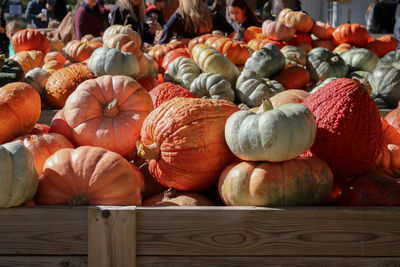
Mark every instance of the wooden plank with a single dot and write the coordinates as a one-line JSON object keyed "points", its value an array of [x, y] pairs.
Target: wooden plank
{"points": [[193, 261], [250, 231], [46, 116], [43, 230], [112, 236], [43, 261]]}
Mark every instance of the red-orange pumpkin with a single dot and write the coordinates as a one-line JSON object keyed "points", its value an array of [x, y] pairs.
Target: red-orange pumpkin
{"points": [[60, 126], [30, 39], [199, 40], [251, 33], [172, 55], [159, 51], [383, 45], [355, 34], [237, 52], [147, 82], [167, 91], [328, 44], [294, 77], [183, 140], [322, 30]]}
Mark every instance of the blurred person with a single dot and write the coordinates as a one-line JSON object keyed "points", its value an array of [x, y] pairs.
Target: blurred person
{"points": [[4, 40], [381, 16], [88, 19], [242, 17], [36, 11], [154, 11], [12, 28], [58, 9]]}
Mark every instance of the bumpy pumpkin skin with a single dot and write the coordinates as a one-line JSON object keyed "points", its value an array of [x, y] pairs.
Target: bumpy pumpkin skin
{"points": [[183, 140], [300, 181], [346, 139], [18, 176], [20, 109], [108, 112], [89, 176], [167, 91], [268, 135]]}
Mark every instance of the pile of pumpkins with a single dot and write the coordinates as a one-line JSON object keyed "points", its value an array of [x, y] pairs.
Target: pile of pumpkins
{"points": [[287, 117]]}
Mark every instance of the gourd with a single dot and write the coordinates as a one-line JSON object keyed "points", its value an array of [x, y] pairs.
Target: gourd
{"points": [[182, 71], [212, 85]]}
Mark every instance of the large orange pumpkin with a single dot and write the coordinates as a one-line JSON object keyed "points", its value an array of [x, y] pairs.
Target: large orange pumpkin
{"points": [[77, 51], [89, 176], [183, 140], [355, 34], [20, 109], [251, 33], [30, 39], [108, 112], [383, 45], [235, 51]]}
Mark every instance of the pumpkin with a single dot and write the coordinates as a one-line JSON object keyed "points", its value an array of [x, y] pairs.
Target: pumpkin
{"points": [[211, 60], [267, 135], [182, 71], [305, 46], [159, 51], [89, 176], [183, 141], [212, 85], [40, 128], [328, 44], [151, 186], [111, 61], [389, 157], [20, 109], [60, 126], [121, 39], [251, 33], [294, 56], [383, 45], [63, 82], [167, 91], [343, 47], [43, 146], [199, 40], [360, 59], [347, 139], [297, 182], [266, 61], [322, 30], [56, 45], [380, 187], [171, 197], [18, 176], [293, 78], [147, 82], [385, 82], [296, 19], [391, 59], [55, 56], [237, 52], [30, 39], [278, 31], [10, 71], [323, 64], [108, 112], [172, 55], [78, 51], [37, 78], [390, 133], [122, 29], [251, 89], [300, 37], [393, 118], [289, 96], [52, 65], [355, 34], [259, 43], [29, 59]]}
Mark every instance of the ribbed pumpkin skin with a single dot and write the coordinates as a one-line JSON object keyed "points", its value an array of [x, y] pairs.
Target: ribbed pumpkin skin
{"points": [[190, 135], [29, 59], [30, 39], [94, 123], [20, 109], [351, 33], [167, 91], [349, 130], [18, 176], [235, 51], [300, 181], [385, 82], [383, 45], [102, 176]]}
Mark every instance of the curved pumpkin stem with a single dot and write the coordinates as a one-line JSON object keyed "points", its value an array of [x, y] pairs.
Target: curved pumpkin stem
{"points": [[79, 200], [148, 152], [334, 59], [366, 85], [265, 106], [169, 193], [111, 110], [2, 61]]}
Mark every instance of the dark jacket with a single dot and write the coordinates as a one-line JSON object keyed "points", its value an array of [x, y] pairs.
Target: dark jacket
{"points": [[32, 10], [121, 16], [88, 21], [382, 17], [175, 25], [58, 9]]}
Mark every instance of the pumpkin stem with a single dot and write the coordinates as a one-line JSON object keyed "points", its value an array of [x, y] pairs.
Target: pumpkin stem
{"points": [[169, 193], [265, 105], [79, 200], [334, 59], [111, 109], [148, 152], [2, 61], [366, 85]]}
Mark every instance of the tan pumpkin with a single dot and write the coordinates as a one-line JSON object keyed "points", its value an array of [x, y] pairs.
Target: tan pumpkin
{"points": [[171, 197], [52, 65], [78, 51], [296, 19], [322, 30], [343, 47], [123, 39], [276, 30], [29, 59], [124, 29], [289, 96], [57, 45]]}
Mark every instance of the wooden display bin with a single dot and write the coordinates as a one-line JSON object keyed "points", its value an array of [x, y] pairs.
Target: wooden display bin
{"points": [[199, 236]]}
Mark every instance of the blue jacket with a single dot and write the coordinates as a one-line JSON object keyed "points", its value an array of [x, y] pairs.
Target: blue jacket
{"points": [[33, 9]]}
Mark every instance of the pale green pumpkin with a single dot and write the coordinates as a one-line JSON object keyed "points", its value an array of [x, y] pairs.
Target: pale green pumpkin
{"points": [[360, 59], [266, 61], [18, 175], [212, 85], [385, 83], [182, 71]]}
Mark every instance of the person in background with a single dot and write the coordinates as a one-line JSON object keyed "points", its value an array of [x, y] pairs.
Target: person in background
{"points": [[133, 12], [11, 28], [154, 11], [193, 18], [37, 11], [381, 16], [58, 9], [104, 11], [88, 19], [4, 41], [266, 11], [242, 17]]}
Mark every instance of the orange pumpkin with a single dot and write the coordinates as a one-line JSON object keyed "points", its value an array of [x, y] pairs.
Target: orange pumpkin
{"points": [[251, 33], [148, 82], [172, 55], [355, 34], [258, 43], [108, 112], [383, 45], [122, 39], [159, 51], [43, 146], [171, 197], [20, 109], [328, 44], [52, 65], [89, 176], [278, 31], [289, 96], [199, 40], [343, 47], [29, 59], [296, 19], [322, 30], [77, 51], [183, 141], [30, 39], [55, 56], [60, 126], [294, 77], [237, 52]]}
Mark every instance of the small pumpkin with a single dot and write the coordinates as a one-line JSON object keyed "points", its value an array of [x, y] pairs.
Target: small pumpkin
{"points": [[294, 56], [182, 71], [237, 52], [383, 45], [212, 85], [251, 33], [29, 59], [122, 29], [10, 71], [37, 78], [78, 51], [172, 55], [343, 47], [18, 175], [391, 59], [199, 40], [258, 43], [159, 51], [59, 125], [172, 197], [147, 82], [385, 83], [289, 96], [328, 44], [267, 135]]}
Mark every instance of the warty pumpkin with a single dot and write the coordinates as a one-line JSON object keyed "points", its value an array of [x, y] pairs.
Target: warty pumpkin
{"points": [[297, 182], [18, 176], [167, 91], [268, 134], [212, 85], [89, 175], [183, 141]]}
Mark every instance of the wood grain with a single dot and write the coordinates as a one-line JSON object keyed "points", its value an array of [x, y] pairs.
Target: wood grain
{"points": [[193, 261], [43, 230], [43, 261], [112, 236], [250, 231]]}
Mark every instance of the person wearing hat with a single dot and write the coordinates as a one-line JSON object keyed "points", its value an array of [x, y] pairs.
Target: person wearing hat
{"points": [[154, 11]]}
